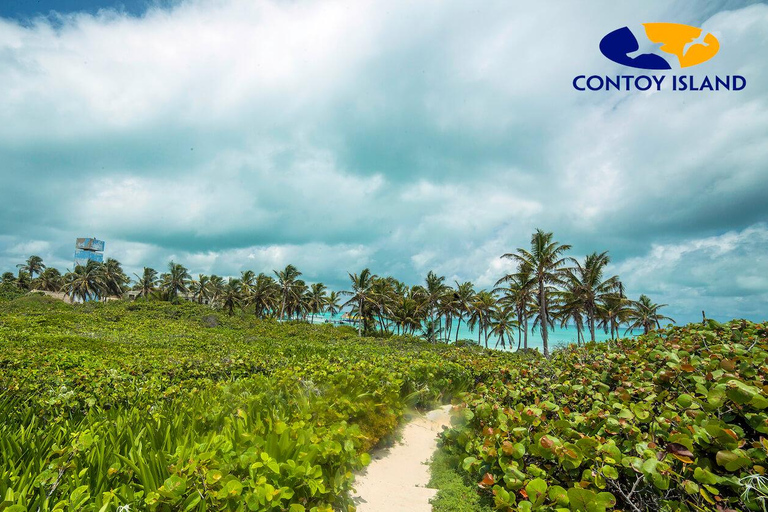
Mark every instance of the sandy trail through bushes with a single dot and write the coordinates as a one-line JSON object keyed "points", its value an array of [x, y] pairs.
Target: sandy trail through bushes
{"points": [[397, 477]]}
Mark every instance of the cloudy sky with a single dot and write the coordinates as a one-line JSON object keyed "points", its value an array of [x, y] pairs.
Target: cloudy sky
{"points": [[400, 136]]}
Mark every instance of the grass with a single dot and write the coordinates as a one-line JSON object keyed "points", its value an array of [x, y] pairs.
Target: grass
{"points": [[456, 492]]}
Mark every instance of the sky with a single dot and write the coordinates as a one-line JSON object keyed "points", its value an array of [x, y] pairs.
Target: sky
{"points": [[401, 136]]}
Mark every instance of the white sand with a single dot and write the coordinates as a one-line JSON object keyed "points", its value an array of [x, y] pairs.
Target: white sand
{"points": [[397, 477]]}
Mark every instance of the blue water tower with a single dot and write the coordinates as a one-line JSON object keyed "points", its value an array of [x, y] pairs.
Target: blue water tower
{"points": [[88, 249]]}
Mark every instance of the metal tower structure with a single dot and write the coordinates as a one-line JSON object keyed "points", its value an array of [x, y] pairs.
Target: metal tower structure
{"points": [[88, 249]]}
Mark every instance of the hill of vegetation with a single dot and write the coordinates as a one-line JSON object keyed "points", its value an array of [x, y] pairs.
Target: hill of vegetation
{"points": [[177, 407], [154, 406]]}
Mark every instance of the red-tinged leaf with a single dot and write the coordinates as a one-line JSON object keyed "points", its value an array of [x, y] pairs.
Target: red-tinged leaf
{"points": [[488, 480]]}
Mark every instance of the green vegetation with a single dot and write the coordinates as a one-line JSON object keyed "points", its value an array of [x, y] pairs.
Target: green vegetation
{"points": [[457, 492], [672, 420], [547, 288], [156, 406]]}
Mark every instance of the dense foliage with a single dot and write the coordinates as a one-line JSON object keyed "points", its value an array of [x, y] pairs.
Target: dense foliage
{"points": [[546, 288], [672, 420], [175, 407]]}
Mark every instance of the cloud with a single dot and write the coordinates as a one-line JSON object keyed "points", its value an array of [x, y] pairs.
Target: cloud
{"points": [[404, 136]]}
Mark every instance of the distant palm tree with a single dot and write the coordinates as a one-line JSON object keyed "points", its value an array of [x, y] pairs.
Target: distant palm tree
{"points": [[465, 292], [480, 315], [8, 278], [33, 266], [113, 278], [407, 314], [199, 288], [332, 303], [84, 282], [175, 281], [612, 312], [430, 331], [231, 296], [264, 296], [645, 314], [286, 279], [317, 300], [215, 289], [23, 280], [503, 324], [568, 307], [448, 307], [519, 293], [435, 288], [50, 280], [360, 297], [546, 264], [248, 280], [587, 281], [146, 283]]}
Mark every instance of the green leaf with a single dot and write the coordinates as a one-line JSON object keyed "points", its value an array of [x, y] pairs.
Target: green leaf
{"points": [[558, 495], [536, 490], [733, 460]]}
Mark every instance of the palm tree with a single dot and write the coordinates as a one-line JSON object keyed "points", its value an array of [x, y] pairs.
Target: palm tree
{"points": [[231, 295], [317, 300], [286, 279], [519, 293], [645, 314], [448, 307], [546, 264], [8, 278], [332, 303], [146, 282], [383, 291], [360, 297], [480, 315], [84, 282], [199, 288], [33, 265], [503, 324], [264, 296], [215, 289], [465, 292], [113, 278], [569, 308], [24, 281], [407, 313], [175, 281], [613, 312], [248, 280], [434, 291], [587, 280], [49, 280]]}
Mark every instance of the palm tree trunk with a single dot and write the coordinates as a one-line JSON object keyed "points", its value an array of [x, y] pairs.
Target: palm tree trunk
{"points": [[544, 318], [458, 326], [525, 333], [360, 319]]}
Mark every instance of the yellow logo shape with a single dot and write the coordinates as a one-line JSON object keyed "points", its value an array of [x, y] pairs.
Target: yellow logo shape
{"points": [[684, 41]]}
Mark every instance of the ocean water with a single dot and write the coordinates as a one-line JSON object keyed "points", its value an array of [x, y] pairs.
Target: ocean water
{"points": [[558, 337]]}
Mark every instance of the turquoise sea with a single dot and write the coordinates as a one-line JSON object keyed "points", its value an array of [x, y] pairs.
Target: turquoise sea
{"points": [[558, 337]]}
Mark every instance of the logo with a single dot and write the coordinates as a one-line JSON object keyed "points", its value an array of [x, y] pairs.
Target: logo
{"points": [[659, 47], [681, 46]]}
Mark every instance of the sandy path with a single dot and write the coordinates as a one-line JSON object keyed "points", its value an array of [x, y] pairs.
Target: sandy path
{"points": [[396, 478]]}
